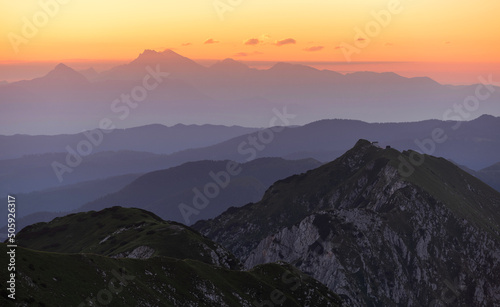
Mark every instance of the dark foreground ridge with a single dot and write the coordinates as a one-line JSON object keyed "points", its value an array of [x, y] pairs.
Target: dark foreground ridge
{"points": [[131, 257]]}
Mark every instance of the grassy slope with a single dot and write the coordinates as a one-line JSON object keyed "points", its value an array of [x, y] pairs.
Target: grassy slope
{"points": [[53, 279], [464, 194], [125, 230]]}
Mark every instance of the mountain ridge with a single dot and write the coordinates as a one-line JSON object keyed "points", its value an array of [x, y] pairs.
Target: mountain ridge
{"points": [[361, 227]]}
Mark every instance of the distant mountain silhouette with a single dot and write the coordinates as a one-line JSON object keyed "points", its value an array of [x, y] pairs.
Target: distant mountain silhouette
{"points": [[35, 172], [489, 175], [60, 76], [169, 61], [91, 74], [70, 197], [229, 66], [228, 92], [323, 140], [327, 139], [153, 138], [162, 191]]}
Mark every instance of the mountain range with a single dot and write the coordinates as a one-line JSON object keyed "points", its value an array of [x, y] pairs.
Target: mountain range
{"points": [[374, 227], [155, 138], [474, 144], [374, 232], [227, 93], [162, 191]]}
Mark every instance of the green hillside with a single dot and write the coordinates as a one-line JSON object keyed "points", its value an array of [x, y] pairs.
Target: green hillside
{"points": [[54, 279], [123, 232]]}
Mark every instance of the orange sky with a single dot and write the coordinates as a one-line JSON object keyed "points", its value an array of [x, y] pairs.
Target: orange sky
{"points": [[438, 31]]}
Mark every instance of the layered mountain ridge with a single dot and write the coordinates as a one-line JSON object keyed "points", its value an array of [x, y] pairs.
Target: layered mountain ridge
{"points": [[183, 90]]}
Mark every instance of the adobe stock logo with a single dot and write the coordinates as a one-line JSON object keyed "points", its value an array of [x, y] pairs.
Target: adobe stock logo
{"points": [[31, 26]]}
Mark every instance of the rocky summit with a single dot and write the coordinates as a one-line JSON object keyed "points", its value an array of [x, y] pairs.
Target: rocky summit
{"points": [[379, 227]]}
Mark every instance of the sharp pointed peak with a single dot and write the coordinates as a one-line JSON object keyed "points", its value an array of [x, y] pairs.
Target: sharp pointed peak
{"points": [[64, 73], [62, 66], [62, 69]]}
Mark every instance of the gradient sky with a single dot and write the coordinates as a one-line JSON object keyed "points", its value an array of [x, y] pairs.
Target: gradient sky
{"points": [[438, 31]]}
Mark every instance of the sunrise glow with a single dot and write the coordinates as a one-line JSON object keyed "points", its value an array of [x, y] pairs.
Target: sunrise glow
{"points": [[429, 31]]}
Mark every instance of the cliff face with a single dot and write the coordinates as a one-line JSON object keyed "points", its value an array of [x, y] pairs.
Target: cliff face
{"points": [[373, 236]]}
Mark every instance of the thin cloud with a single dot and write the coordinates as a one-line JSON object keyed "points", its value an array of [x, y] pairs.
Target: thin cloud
{"points": [[287, 41], [186, 44], [389, 44], [314, 48], [210, 41], [447, 43], [339, 47], [361, 39], [252, 41]]}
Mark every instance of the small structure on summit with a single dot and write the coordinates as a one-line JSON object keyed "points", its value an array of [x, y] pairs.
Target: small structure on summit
{"points": [[376, 144]]}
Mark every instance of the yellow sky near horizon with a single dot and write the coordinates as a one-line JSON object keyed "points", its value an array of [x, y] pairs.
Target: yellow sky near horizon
{"points": [[420, 31]]}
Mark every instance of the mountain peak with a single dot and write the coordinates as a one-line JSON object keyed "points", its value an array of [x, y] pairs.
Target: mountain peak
{"points": [[62, 66], [64, 73], [362, 143], [486, 117], [229, 65], [149, 55], [170, 52], [149, 51], [319, 219], [170, 60]]}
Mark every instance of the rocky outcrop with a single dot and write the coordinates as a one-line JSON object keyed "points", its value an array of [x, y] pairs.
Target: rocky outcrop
{"points": [[140, 252]]}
